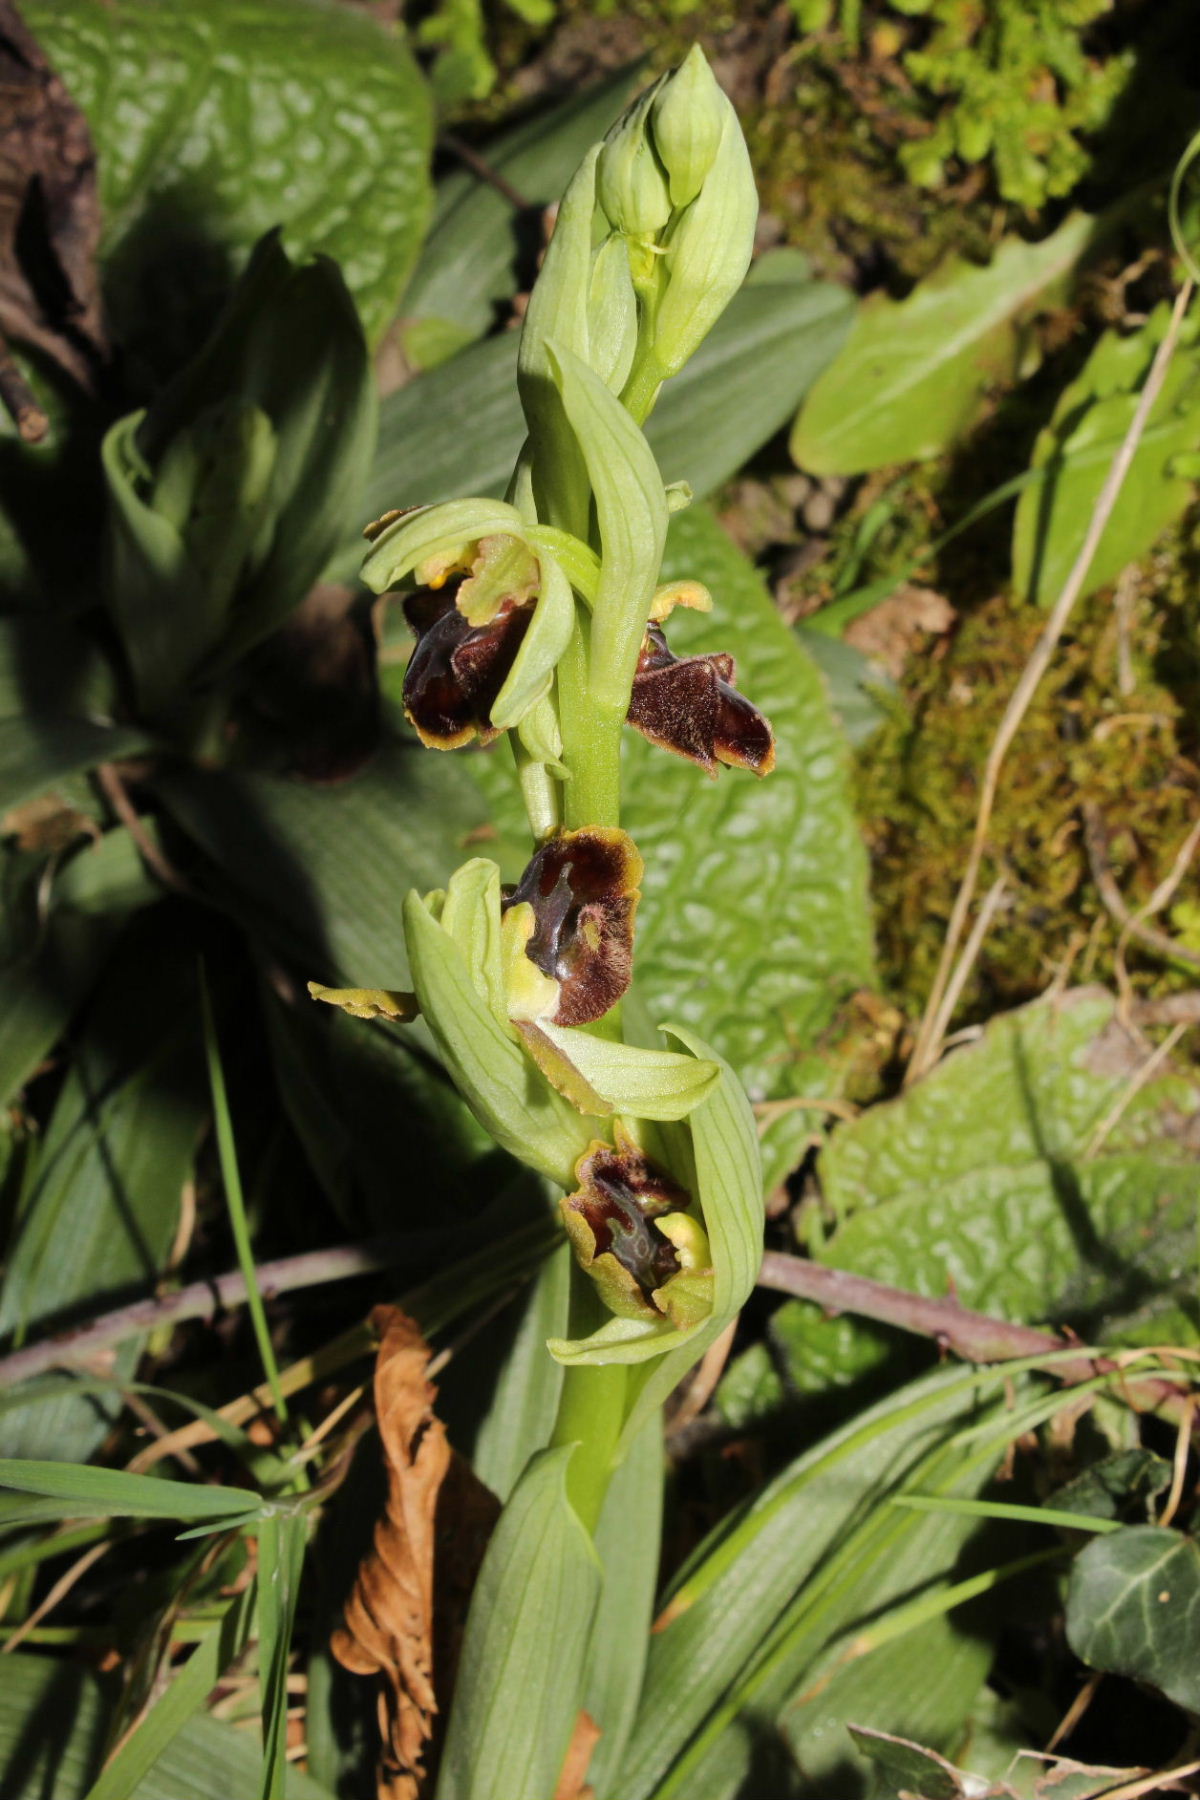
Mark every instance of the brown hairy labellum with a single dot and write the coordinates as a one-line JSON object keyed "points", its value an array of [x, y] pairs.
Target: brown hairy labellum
{"points": [[689, 704], [405, 1617], [457, 669], [583, 889]]}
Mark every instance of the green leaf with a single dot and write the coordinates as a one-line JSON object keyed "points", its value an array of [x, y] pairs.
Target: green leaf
{"points": [[215, 121], [100, 1212], [754, 926], [1133, 1608], [38, 749], [520, 1681], [1015, 1216], [1075, 453], [748, 1657], [177, 1706], [1128, 1477], [111, 1493], [281, 1543], [499, 1083], [59, 941], [209, 1759], [319, 873], [915, 374], [471, 260]]}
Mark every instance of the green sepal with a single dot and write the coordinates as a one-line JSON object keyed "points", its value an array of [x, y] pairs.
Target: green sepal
{"points": [[725, 1176], [631, 510], [507, 1095], [623, 1078], [544, 642], [709, 245], [470, 915], [612, 314], [434, 531]]}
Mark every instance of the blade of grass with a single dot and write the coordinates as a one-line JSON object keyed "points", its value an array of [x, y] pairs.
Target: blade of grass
{"points": [[111, 1492], [1003, 1509], [139, 1751], [281, 1541], [231, 1176]]}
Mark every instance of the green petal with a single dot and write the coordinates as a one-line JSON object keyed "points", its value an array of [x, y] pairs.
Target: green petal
{"points": [[470, 914], [646, 1084]]}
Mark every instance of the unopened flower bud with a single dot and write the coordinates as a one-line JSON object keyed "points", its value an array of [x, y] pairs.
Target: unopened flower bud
{"points": [[708, 251], [686, 118], [630, 184]]}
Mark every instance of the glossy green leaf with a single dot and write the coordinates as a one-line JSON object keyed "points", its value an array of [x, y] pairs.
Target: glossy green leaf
{"points": [[1016, 1216], [498, 1081], [457, 430], [209, 1759], [215, 121], [100, 1212], [477, 252], [1133, 1608], [915, 374], [754, 926], [111, 1493], [1075, 453], [520, 1680]]}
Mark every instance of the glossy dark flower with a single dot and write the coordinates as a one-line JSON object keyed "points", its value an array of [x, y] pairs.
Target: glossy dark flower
{"points": [[630, 1228], [581, 889], [457, 669], [689, 704]]}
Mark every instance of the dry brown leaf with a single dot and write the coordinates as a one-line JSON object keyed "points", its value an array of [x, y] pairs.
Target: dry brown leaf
{"points": [[584, 1739], [49, 211], [405, 1618]]}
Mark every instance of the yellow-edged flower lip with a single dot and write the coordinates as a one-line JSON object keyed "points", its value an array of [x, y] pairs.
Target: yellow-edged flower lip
{"points": [[457, 669], [611, 1222], [690, 705], [582, 887]]}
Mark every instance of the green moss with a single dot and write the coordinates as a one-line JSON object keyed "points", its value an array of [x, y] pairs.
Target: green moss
{"points": [[1130, 754]]}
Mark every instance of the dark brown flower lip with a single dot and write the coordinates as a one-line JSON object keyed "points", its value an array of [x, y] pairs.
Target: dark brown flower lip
{"points": [[457, 669], [690, 705], [621, 1193], [583, 889]]}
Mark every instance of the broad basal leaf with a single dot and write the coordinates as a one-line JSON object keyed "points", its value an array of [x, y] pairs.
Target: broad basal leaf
{"points": [[915, 373], [1030, 1214], [217, 119], [1076, 450]]}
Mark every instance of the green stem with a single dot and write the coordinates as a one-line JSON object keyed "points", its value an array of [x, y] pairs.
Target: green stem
{"points": [[591, 741], [591, 1411]]}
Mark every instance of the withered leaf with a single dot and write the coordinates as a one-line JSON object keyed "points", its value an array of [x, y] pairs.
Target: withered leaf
{"points": [[405, 1617], [49, 211]]}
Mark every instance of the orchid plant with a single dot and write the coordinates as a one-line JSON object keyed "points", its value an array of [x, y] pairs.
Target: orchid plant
{"points": [[542, 618]]}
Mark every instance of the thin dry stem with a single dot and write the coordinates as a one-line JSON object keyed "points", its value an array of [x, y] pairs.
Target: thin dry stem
{"points": [[928, 1044]]}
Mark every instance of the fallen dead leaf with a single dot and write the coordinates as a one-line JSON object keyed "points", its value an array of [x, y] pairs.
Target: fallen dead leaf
{"points": [[49, 212], [405, 1617], [891, 631]]}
